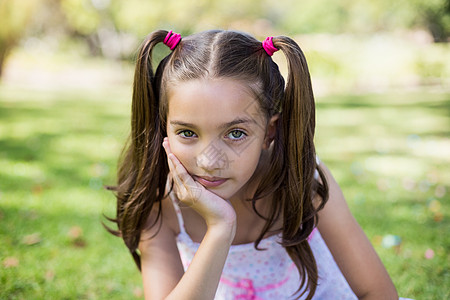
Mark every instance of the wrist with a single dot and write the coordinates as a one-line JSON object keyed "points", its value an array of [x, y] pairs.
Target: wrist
{"points": [[226, 220], [223, 230]]}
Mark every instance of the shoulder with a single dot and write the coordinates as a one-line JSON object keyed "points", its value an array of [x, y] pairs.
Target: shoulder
{"points": [[161, 218], [336, 203], [350, 247], [335, 219]]}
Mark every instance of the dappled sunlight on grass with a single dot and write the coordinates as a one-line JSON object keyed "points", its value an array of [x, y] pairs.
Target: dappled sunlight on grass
{"points": [[57, 150], [390, 153]]}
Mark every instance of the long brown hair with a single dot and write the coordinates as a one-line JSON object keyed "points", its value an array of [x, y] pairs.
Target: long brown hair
{"points": [[143, 170]]}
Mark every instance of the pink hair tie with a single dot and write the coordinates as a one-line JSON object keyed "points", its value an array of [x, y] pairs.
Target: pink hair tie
{"points": [[172, 39], [268, 46]]}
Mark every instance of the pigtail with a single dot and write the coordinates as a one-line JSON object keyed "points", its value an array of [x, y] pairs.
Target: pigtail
{"points": [[297, 123], [142, 173]]}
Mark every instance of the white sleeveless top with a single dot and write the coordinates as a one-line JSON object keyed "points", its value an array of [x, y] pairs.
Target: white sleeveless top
{"points": [[268, 274]]}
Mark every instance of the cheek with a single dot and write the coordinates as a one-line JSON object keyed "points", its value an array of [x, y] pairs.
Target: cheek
{"points": [[183, 152], [247, 160]]}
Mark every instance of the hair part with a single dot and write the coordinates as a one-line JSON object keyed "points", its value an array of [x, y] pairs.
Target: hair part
{"points": [[143, 170]]}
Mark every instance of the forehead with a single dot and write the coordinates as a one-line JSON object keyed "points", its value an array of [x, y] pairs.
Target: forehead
{"points": [[212, 101]]}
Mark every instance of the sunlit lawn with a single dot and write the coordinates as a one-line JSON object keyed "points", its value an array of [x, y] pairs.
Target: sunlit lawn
{"points": [[390, 153]]}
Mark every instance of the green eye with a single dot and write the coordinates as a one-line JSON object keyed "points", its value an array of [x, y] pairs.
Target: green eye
{"points": [[236, 135], [187, 133]]}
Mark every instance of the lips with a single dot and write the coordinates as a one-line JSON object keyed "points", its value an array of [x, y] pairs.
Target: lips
{"points": [[210, 181]]}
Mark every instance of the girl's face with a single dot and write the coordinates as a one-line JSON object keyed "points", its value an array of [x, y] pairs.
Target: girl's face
{"points": [[217, 131]]}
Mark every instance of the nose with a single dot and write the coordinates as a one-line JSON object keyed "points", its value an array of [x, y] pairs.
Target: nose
{"points": [[212, 157]]}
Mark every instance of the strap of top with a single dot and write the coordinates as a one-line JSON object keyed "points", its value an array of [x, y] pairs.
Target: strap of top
{"points": [[316, 173], [178, 212]]}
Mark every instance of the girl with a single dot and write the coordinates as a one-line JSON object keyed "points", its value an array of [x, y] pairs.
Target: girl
{"points": [[220, 193]]}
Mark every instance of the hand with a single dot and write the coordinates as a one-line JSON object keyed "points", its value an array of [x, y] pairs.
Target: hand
{"points": [[214, 209]]}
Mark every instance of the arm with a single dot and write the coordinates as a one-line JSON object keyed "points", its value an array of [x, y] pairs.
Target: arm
{"points": [[162, 270], [351, 249]]}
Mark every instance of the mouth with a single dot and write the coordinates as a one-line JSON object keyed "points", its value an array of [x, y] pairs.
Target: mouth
{"points": [[209, 181]]}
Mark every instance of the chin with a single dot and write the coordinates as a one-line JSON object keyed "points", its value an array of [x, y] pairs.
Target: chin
{"points": [[222, 194]]}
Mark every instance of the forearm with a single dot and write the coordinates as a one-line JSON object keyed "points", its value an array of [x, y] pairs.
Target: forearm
{"points": [[388, 295], [385, 290], [202, 277]]}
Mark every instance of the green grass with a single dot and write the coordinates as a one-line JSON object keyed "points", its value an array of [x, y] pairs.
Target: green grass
{"points": [[390, 153]]}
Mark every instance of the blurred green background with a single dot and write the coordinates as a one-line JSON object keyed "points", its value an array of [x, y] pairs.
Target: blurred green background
{"points": [[381, 75]]}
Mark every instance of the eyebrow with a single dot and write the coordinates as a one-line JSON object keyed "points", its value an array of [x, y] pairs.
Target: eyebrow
{"points": [[222, 126]]}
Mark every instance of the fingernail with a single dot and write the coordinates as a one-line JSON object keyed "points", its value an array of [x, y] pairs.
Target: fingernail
{"points": [[171, 157]]}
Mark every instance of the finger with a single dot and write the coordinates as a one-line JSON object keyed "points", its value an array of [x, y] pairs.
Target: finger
{"points": [[166, 145], [171, 165], [176, 163], [178, 185], [175, 173], [188, 188], [168, 151], [186, 185], [180, 171]]}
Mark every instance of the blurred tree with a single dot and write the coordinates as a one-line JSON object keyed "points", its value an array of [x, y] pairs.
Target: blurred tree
{"points": [[435, 16], [113, 28], [313, 16], [15, 15], [364, 16], [81, 16], [87, 20]]}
